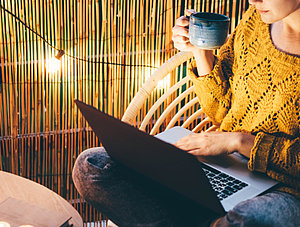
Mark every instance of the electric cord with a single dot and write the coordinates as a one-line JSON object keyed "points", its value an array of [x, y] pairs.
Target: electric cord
{"points": [[62, 51]]}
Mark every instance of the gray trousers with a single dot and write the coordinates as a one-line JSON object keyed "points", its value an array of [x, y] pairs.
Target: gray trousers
{"points": [[126, 198]]}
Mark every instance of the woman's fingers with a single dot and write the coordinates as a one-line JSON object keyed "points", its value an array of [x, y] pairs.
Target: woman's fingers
{"points": [[189, 12], [191, 142], [205, 144], [180, 39], [183, 44], [179, 30], [199, 152], [182, 21]]}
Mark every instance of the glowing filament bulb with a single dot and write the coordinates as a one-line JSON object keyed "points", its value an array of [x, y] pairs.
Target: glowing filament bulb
{"points": [[54, 64]]}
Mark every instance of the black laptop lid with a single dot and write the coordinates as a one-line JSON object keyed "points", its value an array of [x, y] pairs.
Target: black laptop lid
{"points": [[158, 160]]}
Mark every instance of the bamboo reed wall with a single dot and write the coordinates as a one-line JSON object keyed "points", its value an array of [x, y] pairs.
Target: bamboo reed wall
{"points": [[111, 47]]}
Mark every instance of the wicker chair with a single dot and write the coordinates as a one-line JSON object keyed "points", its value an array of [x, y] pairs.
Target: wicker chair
{"points": [[181, 102]]}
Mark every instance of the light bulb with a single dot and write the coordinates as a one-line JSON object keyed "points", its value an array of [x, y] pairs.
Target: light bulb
{"points": [[59, 55], [53, 65]]}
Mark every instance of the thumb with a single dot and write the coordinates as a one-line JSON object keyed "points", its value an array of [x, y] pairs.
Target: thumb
{"points": [[189, 12]]}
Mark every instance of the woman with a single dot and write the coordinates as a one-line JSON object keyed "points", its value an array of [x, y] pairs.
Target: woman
{"points": [[251, 90]]}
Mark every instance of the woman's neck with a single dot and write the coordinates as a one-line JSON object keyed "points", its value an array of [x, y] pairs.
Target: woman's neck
{"points": [[291, 25], [286, 34]]}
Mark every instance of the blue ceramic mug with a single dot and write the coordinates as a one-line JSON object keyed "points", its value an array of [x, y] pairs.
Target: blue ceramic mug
{"points": [[208, 30]]}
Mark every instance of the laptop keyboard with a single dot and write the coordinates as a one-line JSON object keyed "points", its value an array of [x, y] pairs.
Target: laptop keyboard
{"points": [[222, 183]]}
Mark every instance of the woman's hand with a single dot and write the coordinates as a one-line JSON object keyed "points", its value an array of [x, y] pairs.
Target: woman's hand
{"points": [[180, 34], [180, 37], [217, 143]]}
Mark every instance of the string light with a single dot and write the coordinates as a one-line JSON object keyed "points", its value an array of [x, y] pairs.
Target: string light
{"points": [[53, 64], [74, 57], [60, 54]]}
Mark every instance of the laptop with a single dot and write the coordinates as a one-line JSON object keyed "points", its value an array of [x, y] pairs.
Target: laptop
{"points": [[217, 184]]}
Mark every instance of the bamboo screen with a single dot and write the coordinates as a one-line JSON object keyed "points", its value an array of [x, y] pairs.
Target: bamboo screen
{"points": [[111, 47]]}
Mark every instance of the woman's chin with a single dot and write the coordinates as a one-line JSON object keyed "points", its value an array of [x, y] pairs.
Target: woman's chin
{"points": [[267, 19]]}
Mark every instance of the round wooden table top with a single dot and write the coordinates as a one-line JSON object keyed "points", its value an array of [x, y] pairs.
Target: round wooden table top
{"points": [[29, 191]]}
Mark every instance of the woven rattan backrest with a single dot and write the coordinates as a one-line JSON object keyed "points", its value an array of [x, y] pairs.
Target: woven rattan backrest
{"points": [[182, 105]]}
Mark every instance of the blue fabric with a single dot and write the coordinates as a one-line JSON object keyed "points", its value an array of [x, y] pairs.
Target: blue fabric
{"points": [[125, 198]]}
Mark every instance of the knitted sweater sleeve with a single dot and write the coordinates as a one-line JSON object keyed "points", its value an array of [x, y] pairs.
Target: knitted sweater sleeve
{"points": [[214, 90], [278, 157]]}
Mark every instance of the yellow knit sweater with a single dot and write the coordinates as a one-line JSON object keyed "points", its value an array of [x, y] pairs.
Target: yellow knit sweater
{"points": [[255, 88]]}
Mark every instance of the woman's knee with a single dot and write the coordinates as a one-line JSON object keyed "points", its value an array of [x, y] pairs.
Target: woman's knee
{"points": [[265, 210], [88, 167]]}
